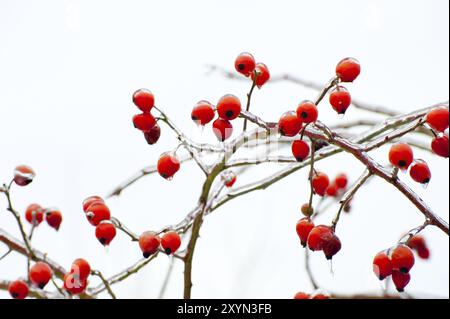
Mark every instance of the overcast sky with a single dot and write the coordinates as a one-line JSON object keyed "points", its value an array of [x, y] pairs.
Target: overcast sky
{"points": [[67, 72]]}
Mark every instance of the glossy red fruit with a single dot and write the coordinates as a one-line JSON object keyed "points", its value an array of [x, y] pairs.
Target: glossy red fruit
{"points": [[91, 200], [318, 237], [332, 190], [340, 99], [348, 69], [304, 227], [23, 175], [18, 289], [320, 296], [229, 107], [222, 129], [152, 136], [401, 280], [98, 212], [341, 181], [307, 112], [440, 146], [331, 246], [40, 274], [54, 218], [262, 74], [402, 258], [401, 155], [289, 124], [203, 113], [105, 232], [80, 269], [149, 243], [74, 285], [144, 100], [320, 183], [144, 122], [382, 266], [229, 178], [168, 165], [302, 295], [170, 242], [416, 242], [34, 214], [245, 63], [438, 119], [420, 172], [300, 150], [423, 253]]}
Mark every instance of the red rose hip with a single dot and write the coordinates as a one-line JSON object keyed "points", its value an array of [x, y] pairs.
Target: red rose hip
{"points": [[245, 63], [203, 113], [105, 232], [401, 155], [262, 74], [307, 112], [91, 200], [229, 107], [149, 243], [382, 266], [440, 146], [34, 214], [320, 183], [168, 165], [401, 280], [18, 289], [98, 212], [303, 228], [438, 119], [23, 175], [222, 129], [402, 258], [144, 122], [152, 136], [420, 172], [144, 100], [348, 69], [318, 237], [340, 99], [74, 285], [40, 274], [300, 150], [170, 242], [289, 124], [80, 269], [54, 218]]}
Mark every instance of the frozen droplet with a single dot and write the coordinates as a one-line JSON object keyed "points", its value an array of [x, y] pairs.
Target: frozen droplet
{"points": [[425, 185], [341, 116], [106, 249], [330, 265], [169, 178]]}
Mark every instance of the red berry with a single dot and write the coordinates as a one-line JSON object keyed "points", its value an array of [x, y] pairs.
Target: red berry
{"points": [[152, 136], [331, 246], [318, 236], [262, 74], [34, 214], [440, 146], [304, 227], [144, 100], [40, 274], [382, 266], [307, 112], [302, 295], [149, 243], [18, 289], [401, 280], [222, 129], [245, 63], [348, 69], [53, 218], [74, 285], [420, 172], [168, 165], [320, 183], [416, 242], [438, 119], [320, 296], [229, 178], [105, 232], [170, 242], [289, 124], [340, 99], [300, 150], [402, 258], [23, 175], [80, 269], [91, 200], [341, 181], [144, 122], [229, 107], [203, 113], [401, 155], [332, 190], [98, 212], [423, 253]]}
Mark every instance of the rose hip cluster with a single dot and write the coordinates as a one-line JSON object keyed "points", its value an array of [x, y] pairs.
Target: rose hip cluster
{"points": [[292, 122], [150, 243], [99, 216], [39, 275], [396, 262], [145, 121], [76, 281]]}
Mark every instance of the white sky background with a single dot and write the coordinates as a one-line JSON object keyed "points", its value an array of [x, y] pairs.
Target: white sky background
{"points": [[67, 72]]}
